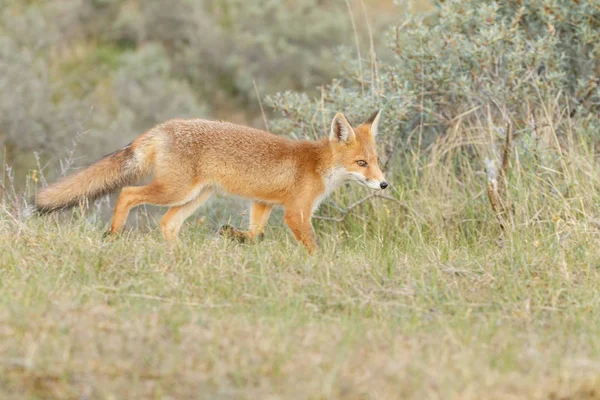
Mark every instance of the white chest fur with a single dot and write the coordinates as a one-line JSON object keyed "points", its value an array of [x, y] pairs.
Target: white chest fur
{"points": [[332, 180]]}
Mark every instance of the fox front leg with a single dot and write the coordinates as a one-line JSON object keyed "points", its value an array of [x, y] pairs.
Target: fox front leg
{"points": [[300, 224]]}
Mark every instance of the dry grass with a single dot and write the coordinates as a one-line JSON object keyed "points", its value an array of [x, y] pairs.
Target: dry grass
{"points": [[424, 297], [421, 298], [367, 318]]}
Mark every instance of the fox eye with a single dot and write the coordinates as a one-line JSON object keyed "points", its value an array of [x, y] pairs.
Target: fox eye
{"points": [[361, 163]]}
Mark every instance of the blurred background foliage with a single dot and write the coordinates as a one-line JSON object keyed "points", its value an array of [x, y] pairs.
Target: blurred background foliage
{"points": [[504, 89], [469, 61], [100, 72], [454, 79]]}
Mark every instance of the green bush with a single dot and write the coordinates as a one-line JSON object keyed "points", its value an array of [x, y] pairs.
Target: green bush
{"points": [[463, 77], [464, 55]]}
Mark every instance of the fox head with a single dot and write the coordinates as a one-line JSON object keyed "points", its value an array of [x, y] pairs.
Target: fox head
{"points": [[355, 152]]}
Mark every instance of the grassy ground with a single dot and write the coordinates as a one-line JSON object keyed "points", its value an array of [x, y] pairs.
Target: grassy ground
{"points": [[427, 300], [423, 296]]}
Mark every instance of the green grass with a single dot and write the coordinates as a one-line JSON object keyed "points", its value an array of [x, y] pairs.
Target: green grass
{"points": [[418, 296], [376, 313]]}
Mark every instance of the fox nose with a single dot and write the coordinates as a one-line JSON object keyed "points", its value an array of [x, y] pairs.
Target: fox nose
{"points": [[383, 185]]}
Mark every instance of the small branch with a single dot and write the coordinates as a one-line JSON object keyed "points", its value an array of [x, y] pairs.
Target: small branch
{"points": [[357, 42], [497, 194], [262, 110], [502, 184], [492, 191], [390, 198], [506, 152], [21, 225], [346, 211], [374, 67]]}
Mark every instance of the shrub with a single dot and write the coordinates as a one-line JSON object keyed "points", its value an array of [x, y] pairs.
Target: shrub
{"points": [[463, 78], [471, 54]]}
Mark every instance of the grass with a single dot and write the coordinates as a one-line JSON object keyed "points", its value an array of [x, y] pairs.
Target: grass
{"points": [[425, 297], [420, 297], [415, 302]]}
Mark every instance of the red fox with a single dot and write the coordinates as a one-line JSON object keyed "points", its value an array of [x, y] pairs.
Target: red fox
{"points": [[189, 160]]}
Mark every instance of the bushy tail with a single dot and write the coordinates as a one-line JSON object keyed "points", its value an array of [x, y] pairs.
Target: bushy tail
{"points": [[121, 168]]}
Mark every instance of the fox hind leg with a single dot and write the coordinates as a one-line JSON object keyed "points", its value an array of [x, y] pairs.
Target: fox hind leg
{"points": [[171, 222], [156, 193]]}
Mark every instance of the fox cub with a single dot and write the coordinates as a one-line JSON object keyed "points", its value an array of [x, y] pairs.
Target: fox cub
{"points": [[189, 160]]}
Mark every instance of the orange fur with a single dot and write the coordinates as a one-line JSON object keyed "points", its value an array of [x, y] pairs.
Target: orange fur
{"points": [[190, 159]]}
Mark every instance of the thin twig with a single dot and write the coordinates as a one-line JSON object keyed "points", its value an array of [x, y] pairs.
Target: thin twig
{"points": [[4, 170], [506, 152], [347, 210], [505, 159], [21, 225], [492, 191], [374, 69], [322, 104], [390, 198], [262, 110], [421, 108], [362, 81], [40, 169], [344, 212]]}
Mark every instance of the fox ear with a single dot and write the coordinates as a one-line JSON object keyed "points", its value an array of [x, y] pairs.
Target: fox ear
{"points": [[373, 121], [341, 130]]}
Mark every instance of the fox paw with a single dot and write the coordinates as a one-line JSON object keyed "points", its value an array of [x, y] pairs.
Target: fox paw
{"points": [[109, 235], [230, 232]]}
